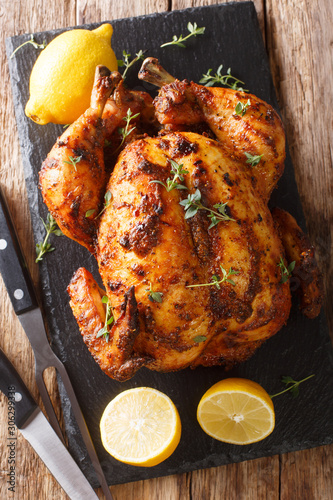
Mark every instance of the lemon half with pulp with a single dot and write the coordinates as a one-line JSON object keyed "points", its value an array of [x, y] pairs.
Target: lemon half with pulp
{"points": [[140, 426], [236, 411]]}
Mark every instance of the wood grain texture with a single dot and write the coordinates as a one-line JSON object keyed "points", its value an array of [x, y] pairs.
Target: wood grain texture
{"points": [[300, 48], [298, 41], [33, 479], [100, 10]]}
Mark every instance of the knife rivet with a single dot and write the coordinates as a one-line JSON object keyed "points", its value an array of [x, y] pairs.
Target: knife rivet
{"points": [[3, 244], [18, 397], [18, 294]]}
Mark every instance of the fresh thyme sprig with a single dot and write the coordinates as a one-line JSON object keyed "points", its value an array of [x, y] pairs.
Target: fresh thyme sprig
{"points": [[51, 228], [125, 61], [216, 280], [241, 108], [253, 160], [32, 42], [193, 203], [194, 31], [228, 80], [73, 160], [286, 272], [154, 296], [107, 199], [293, 385], [178, 175], [104, 332], [125, 132]]}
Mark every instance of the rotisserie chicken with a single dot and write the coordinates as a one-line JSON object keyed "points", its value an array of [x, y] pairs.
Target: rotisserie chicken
{"points": [[190, 256]]}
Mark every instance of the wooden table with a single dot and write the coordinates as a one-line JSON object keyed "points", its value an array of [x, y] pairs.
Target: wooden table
{"points": [[298, 40]]}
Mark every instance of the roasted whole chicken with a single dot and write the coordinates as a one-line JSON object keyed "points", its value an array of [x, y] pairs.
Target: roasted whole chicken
{"points": [[195, 266]]}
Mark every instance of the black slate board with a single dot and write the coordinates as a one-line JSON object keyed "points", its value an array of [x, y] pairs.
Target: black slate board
{"points": [[303, 347]]}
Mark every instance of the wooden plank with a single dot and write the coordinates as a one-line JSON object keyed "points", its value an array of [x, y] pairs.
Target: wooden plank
{"points": [[298, 37], [32, 477], [259, 5], [307, 474], [164, 488], [252, 480], [102, 10]]}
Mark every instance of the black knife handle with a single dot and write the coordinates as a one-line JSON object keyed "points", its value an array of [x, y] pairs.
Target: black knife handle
{"points": [[12, 264], [20, 402]]}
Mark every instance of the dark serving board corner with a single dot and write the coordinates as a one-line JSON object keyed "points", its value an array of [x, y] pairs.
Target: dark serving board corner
{"points": [[302, 347]]}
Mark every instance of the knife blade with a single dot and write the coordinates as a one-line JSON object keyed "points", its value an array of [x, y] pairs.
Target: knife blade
{"points": [[37, 430], [20, 288]]}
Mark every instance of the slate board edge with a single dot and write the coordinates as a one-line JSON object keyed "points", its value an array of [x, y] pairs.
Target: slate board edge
{"points": [[33, 203]]}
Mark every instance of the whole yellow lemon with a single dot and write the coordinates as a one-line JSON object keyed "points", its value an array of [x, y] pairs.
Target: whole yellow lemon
{"points": [[62, 77]]}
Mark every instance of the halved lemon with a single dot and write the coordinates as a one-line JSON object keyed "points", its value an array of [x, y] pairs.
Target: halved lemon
{"points": [[236, 411], [140, 426]]}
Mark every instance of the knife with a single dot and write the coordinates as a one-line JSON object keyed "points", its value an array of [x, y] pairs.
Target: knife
{"points": [[37, 430], [21, 292]]}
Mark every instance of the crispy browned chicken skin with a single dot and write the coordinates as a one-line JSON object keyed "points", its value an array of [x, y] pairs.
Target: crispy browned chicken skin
{"points": [[157, 266]]}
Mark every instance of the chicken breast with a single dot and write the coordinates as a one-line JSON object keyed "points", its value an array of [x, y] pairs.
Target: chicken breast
{"points": [[145, 241]]}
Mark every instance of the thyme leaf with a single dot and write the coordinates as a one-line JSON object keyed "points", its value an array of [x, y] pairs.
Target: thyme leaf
{"points": [[193, 29], [286, 272], [178, 175], [104, 332], [125, 61], [73, 160], [32, 42], [199, 338], [228, 80], [90, 212], [216, 280], [51, 228], [241, 108], [193, 203], [253, 160], [293, 385], [154, 296], [125, 132]]}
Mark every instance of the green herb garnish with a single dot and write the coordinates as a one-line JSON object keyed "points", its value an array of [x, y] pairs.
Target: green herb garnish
{"points": [[194, 31], [228, 80], [107, 199], [253, 160], [125, 61], [51, 228], [193, 203], [32, 42], [73, 160], [293, 385], [178, 175], [241, 108], [199, 338], [286, 271], [108, 320], [216, 280], [154, 296], [90, 212], [125, 132]]}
